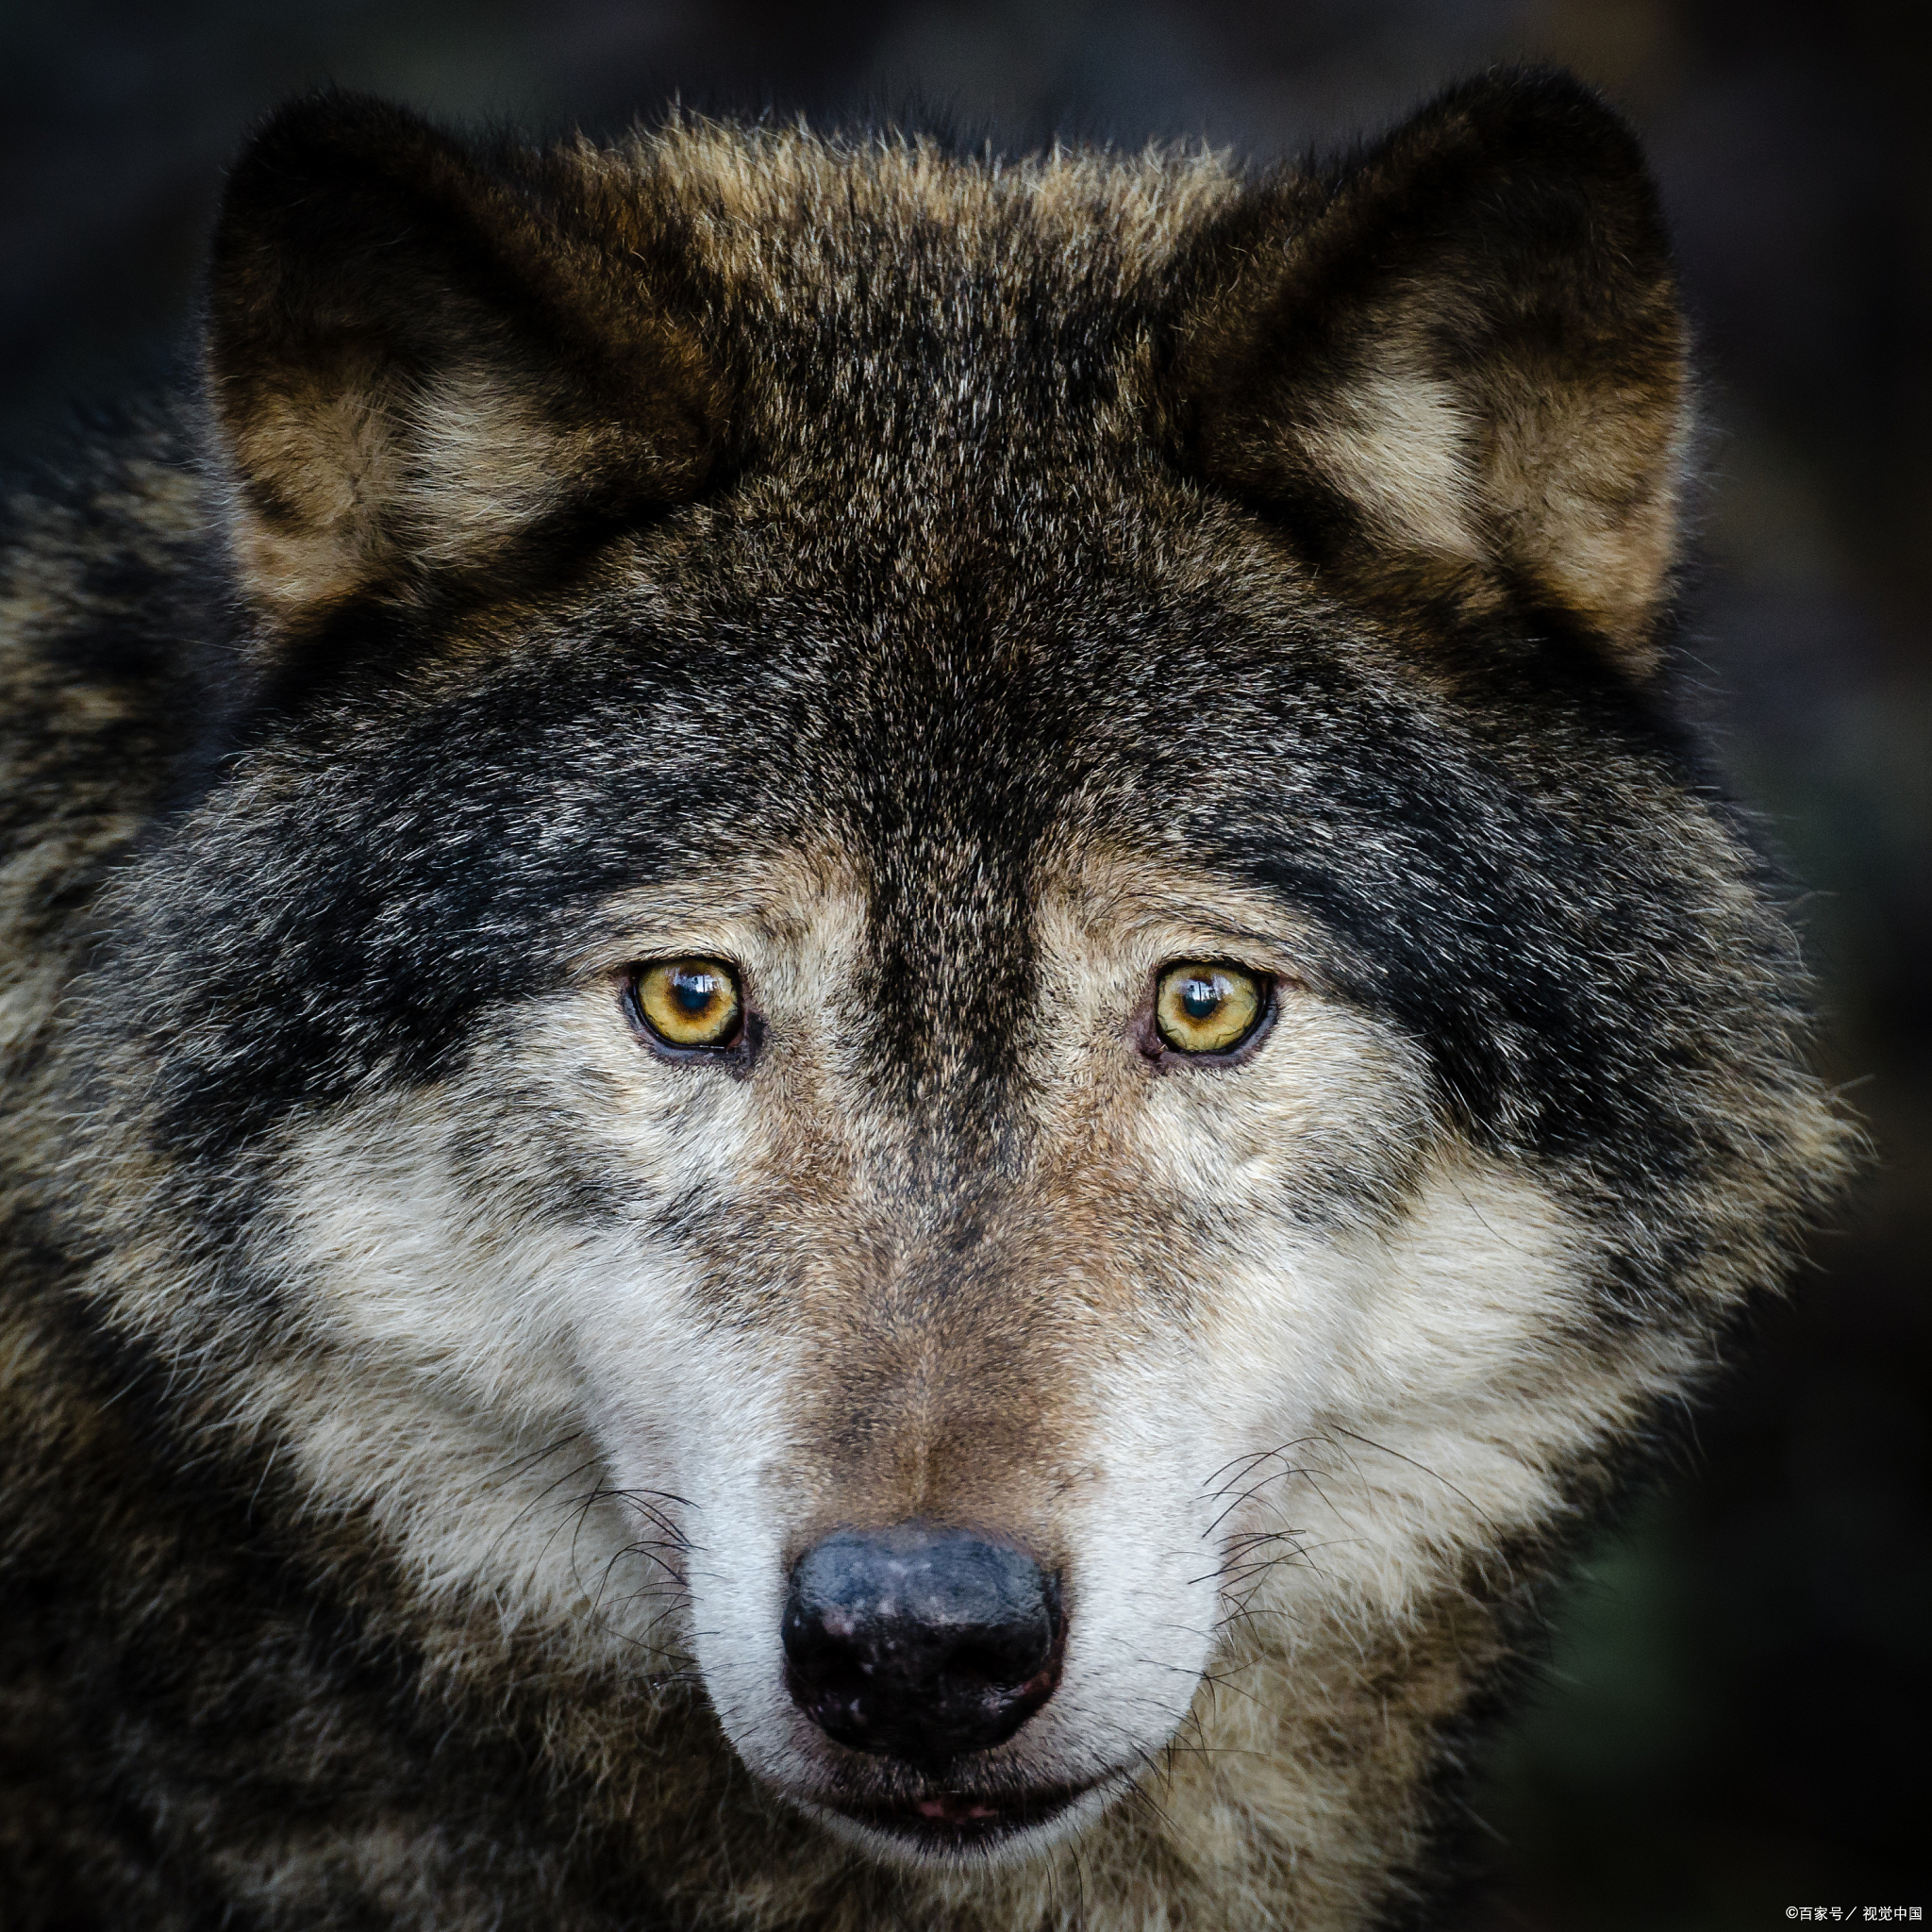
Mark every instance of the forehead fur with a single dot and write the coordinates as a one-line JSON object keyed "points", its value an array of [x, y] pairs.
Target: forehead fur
{"points": [[914, 325], [749, 186]]}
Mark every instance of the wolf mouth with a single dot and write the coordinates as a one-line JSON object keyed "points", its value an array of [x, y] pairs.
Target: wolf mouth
{"points": [[962, 1820]]}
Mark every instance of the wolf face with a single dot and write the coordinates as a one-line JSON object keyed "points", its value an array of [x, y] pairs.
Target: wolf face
{"points": [[948, 976]]}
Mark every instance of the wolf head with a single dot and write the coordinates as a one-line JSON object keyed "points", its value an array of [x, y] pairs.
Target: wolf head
{"points": [[950, 969]]}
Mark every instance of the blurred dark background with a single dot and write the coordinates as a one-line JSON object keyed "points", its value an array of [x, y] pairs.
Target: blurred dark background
{"points": [[1735, 1720]]}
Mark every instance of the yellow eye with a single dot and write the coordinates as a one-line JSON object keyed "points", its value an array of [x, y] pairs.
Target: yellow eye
{"points": [[689, 1002], [1203, 1009]]}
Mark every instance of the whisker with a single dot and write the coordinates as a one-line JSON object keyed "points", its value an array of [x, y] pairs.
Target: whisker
{"points": [[1369, 1443]]}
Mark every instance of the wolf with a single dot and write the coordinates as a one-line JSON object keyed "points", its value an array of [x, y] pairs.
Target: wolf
{"points": [[871, 1030]]}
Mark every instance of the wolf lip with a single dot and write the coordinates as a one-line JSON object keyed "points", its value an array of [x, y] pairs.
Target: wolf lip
{"points": [[959, 1820]]}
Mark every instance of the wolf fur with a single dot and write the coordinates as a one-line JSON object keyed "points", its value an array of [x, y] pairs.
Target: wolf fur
{"points": [[946, 590]]}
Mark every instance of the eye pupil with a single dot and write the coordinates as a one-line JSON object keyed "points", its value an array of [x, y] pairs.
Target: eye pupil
{"points": [[693, 991], [1199, 998]]}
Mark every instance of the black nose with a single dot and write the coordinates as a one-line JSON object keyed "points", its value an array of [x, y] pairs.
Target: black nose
{"points": [[919, 1641]]}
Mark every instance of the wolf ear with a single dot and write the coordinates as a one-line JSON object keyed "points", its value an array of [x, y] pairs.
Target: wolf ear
{"points": [[418, 363], [1457, 368]]}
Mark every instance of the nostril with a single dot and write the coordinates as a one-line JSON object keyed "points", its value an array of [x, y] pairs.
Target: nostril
{"points": [[921, 1641]]}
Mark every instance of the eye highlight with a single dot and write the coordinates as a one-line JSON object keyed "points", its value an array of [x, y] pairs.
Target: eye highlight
{"points": [[688, 1002], [1203, 1008]]}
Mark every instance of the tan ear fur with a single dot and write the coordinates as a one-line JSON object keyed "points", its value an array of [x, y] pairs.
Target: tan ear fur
{"points": [[1457, 368], [419, 360]]}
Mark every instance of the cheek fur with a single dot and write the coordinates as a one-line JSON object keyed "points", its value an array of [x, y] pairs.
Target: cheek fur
{"points": [[1409, 1394], [1322, 1125], [433, 1373]]}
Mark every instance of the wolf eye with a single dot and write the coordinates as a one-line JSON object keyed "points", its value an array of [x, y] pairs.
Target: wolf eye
{"points": [[689, 1002], [1203, 1009]]}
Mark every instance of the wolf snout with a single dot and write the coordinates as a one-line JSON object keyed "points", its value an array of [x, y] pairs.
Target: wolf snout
{"points": [[920, 1643]]}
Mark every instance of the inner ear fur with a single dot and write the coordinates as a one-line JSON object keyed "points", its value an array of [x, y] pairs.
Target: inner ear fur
{"points": [[1455, 367], [418, 359]]}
